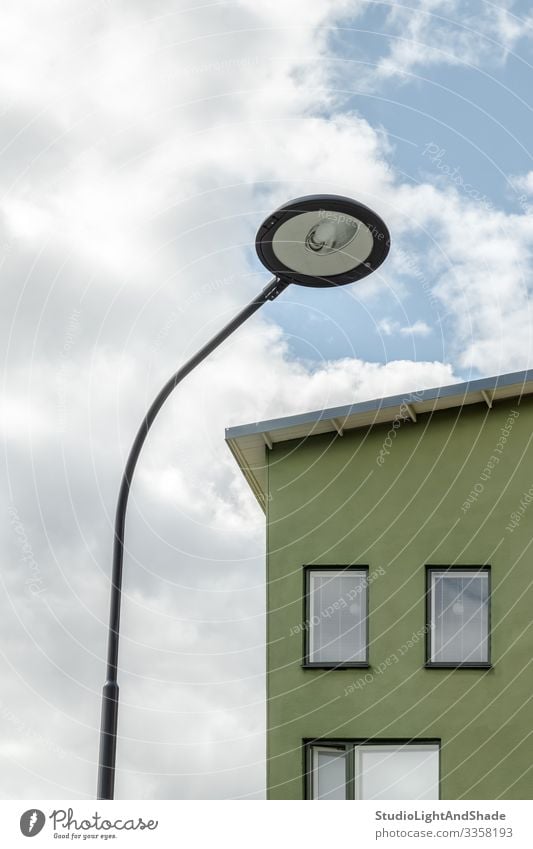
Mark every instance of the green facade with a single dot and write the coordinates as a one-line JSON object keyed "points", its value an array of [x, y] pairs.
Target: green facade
{"points": [[332, 502]]}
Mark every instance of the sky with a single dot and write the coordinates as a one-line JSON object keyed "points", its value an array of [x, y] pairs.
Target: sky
{"points": [[141, 146]]}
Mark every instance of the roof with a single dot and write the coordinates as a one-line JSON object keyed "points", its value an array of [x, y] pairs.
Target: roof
{"points": [[249, 442]]}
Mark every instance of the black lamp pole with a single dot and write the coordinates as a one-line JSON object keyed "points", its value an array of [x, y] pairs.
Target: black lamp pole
{"points": [[318, 241], [108, 732]]}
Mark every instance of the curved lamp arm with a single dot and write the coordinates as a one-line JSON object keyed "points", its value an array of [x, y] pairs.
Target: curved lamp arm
{"points": [[108, 732]]}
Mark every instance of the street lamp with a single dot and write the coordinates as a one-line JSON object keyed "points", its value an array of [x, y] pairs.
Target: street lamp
{"points": [[321, 241]]}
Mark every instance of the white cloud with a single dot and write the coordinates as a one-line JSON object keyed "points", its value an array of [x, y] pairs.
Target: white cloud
{"points": [[419, 328], [523, 182], [448, 32], [389, 328], [482, 276]]}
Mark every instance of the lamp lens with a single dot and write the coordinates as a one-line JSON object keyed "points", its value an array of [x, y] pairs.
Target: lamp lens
{"points": [[331, 234], [322, 243]]}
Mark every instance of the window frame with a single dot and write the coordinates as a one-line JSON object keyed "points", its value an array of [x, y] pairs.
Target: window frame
{"points": [[307, 615], [456, 664], [333, 748], [349, 745]]}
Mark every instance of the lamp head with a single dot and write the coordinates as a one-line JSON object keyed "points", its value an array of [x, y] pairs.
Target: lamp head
{"points": [[322, 241]]}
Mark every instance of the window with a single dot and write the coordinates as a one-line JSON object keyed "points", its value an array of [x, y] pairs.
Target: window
{"points": [[458, 616], [330, 774], [374, 770], [336, 616]]}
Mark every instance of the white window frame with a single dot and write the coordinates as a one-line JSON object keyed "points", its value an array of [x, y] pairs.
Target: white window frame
{"points": [[332, 572], [440, 572]]}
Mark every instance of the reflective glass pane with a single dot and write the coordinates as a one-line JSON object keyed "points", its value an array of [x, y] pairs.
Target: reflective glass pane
{"points": [[329, 774], [459, 613], [397, 772], [337, 629]]}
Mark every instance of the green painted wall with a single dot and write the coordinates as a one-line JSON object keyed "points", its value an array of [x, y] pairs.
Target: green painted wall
{"points": [[330, 502]]}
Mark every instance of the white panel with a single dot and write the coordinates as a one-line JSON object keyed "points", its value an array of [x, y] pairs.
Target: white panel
{"points": [[397, 772], [329, 774]]}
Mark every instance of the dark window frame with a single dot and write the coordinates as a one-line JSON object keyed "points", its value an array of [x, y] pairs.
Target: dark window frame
{"points": [[348, 744], [432, 664], [306, 663]]}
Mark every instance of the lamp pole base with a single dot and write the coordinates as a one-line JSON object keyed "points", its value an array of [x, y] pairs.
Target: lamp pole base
{"points": [[108, 741]]}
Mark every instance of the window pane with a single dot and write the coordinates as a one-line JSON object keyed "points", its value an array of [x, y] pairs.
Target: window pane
{"points": [[329, 774], [337, 630], [398, 772], [459, 607]]}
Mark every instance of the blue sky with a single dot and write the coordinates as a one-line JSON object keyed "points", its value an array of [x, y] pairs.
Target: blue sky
{"points": [[453, 120]]}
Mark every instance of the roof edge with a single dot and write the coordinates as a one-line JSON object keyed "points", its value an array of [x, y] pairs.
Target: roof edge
{"points": [[422, 395]]}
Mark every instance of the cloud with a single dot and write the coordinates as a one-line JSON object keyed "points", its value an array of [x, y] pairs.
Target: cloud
{"points": [[429, 33], [482, 274], [523, 182], [389, 328]]}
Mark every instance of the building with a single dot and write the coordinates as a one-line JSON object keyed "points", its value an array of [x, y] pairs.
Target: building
{"points": [[399, 594]]}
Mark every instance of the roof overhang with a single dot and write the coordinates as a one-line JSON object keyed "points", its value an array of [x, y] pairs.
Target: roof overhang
{"points": [[248, 443]]}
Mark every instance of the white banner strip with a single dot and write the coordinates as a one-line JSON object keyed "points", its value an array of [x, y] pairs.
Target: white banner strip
{"points": [[263, 824]]}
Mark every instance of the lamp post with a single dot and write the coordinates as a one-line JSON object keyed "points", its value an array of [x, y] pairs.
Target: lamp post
{"points": [[320, 241]]}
